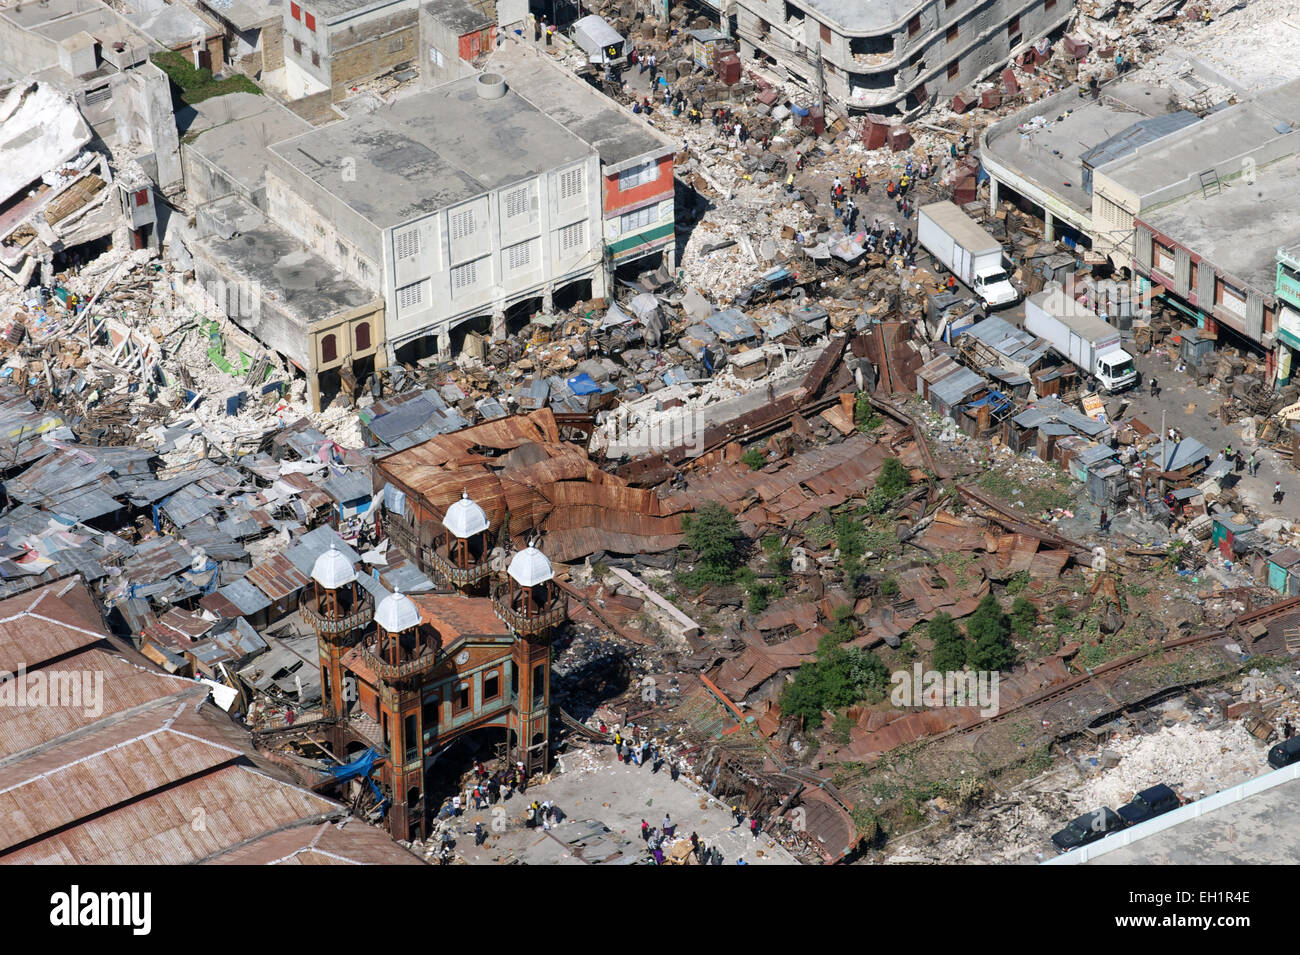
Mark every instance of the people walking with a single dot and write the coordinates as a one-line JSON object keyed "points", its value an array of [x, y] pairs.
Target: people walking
{"points": [[1278, 493], [1155, 387]]}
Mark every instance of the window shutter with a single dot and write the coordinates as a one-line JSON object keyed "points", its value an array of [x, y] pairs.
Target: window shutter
{"points": [[1144, 244]]}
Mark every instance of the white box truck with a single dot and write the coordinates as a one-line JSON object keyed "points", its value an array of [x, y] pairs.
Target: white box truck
{"points": [[970, 253], [1080, 336]]}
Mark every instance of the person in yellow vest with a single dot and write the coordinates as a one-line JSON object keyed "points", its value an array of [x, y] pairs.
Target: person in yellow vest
{"points": [[789, 183]]}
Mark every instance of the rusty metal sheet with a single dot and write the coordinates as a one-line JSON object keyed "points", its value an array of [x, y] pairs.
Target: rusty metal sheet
{"points": [[277, 578]]}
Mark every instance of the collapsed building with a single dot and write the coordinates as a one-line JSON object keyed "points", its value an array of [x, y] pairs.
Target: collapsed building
{"points": [[89, 137]]}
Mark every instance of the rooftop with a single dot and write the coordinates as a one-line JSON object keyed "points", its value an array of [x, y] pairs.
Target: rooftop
{"points": [[1254, 823], [332, 11], [296, 279], [460, 16], [417, 155], [235, 132], [1049, 153], [246, 14], [856, 17], [619, 136], [1240, 229], [1225, 133]]}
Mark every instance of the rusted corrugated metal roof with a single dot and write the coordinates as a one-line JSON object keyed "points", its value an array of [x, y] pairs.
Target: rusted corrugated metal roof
{"points": [[277, 577]]}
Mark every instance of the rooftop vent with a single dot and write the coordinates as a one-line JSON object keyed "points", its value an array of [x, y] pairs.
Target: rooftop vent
{"points": [[491, 85]]}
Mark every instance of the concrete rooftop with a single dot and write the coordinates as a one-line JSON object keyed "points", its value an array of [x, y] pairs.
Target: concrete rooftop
{"points": [[618, 135], [431, 150], [234, 132], [1241, 228], [1049, 155], [857, 17], [332, 11], [1221, 135], [296, 279], [459, 16], [246, 14]]}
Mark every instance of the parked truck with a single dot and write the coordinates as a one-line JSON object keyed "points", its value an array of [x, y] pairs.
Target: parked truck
{"points": [[1075, 331], [971, 254]]}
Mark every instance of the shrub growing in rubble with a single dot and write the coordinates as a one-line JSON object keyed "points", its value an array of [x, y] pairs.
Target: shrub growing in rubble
{"points": [[949, 653], [864, 416], [713, 533], [892, 479], [990, 630], [839, 677], [1024, 616], [754, 459]]}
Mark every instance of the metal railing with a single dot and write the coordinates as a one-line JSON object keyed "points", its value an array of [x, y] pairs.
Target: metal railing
{"points": [[535, 621], [355, 619]]}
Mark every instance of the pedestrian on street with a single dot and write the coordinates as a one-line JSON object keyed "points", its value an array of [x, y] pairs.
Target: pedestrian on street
{"points": [[1278, 493], [754, 827], [1155, 387], [480, 834], [1253, 464]]}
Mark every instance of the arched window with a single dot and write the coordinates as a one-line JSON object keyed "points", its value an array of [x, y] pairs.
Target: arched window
{"points": [[329, 349], [363, 336]]}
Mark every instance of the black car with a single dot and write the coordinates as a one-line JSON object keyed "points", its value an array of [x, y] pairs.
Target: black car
{"points": [[1285, 753], [1150, 803], [1089, 827]]}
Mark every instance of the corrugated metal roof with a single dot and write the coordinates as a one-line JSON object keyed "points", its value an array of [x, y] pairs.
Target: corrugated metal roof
{"points": [[957, 386], [243, 596], [348, 486], [1132, 138], [277, 577]]}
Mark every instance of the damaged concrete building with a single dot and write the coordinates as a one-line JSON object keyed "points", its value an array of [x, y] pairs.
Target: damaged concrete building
{"points": [[380, 234], [1173, 194], [889, 57], [331, 45], [253, 34], [88, 134], [636, 160]]}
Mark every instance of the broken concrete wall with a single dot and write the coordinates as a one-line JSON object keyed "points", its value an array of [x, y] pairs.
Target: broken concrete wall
{"points": [[142, 104], [40, 128]]}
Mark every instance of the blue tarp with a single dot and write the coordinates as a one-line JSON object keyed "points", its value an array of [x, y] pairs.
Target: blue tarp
{"points": [[583, 385]]}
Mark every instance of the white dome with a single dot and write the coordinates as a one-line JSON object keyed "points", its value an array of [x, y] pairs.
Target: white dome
{"points": [[530, 567], [397, 612], [332, 570], [465, 518]]}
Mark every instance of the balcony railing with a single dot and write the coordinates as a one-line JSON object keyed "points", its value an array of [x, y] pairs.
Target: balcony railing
{"points": [[459, 576], [534, 622], [395, 672], [355, 619]]}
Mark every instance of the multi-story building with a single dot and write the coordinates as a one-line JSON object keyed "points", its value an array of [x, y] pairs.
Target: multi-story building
{"points": [[1287, 290], [636, 160], [894, 54], [412, 675], [335, 44], [460, 202], [375, 237]]}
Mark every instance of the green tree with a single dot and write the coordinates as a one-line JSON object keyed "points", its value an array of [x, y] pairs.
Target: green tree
{"points": [[989, 629], [839, 677], [714, 534], [949, 653], [893, 478], [754, 459], [1024, 616]]}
